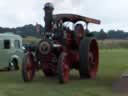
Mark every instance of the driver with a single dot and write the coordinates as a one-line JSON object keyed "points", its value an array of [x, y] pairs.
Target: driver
{"points": [[79, 33]]}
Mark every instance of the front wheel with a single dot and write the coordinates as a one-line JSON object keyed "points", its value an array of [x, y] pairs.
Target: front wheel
{"points": [[28, 68], [63, 69]]}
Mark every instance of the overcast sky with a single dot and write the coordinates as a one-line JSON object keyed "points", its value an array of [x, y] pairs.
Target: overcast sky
{"points": [[112, 13]]}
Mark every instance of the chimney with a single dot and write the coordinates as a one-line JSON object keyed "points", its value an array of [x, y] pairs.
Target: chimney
{"points": [[48, 8]]}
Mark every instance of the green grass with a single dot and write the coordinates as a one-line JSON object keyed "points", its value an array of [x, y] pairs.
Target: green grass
{"points": [[112, 64]]}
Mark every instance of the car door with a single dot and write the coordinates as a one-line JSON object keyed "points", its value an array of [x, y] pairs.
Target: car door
{"points": [[18, 51]]}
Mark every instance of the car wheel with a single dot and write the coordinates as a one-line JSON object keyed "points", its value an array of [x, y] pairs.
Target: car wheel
{"points": [[13, 65]]}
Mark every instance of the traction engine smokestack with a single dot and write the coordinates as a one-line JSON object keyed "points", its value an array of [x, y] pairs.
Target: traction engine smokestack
{"points": [[48, 8]]}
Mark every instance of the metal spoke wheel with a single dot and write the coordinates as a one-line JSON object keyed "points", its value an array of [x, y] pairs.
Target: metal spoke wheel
{"points": [[63, 69], [89, 58], [28, 68]]}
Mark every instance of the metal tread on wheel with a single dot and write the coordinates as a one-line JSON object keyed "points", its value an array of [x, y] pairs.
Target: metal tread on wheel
{"points": [[89, 58]]}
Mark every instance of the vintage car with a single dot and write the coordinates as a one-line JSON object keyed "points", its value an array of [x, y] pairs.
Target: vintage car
{"points": [[11, 51]]}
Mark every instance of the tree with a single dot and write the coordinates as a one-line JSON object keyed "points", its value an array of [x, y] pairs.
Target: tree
{"points": [[102, 35]]}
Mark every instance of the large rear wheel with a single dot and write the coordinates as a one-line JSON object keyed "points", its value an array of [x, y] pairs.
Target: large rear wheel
{"points": [[28, 68], [89, 58]]}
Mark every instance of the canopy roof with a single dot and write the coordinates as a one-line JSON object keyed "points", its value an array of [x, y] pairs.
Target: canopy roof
{"points": [[74, 18]]}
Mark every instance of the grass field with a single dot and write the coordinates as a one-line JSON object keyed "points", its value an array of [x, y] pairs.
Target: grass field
{"points": [[113, 44], [112, 64]]}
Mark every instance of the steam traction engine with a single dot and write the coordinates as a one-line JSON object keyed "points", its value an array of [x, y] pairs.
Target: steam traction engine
{"points": [[62, 49]]}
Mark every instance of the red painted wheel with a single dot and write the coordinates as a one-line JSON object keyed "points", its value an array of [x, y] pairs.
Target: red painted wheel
{"points": [[89, 58], [28, 68], [63, 69]]}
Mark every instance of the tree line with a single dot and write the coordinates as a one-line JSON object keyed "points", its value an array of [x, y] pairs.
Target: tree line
{"points": [[24, 31], [30, 30], [111, 34]]}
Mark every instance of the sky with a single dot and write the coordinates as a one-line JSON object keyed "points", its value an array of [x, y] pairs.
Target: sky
{"points": [[112, 13]]}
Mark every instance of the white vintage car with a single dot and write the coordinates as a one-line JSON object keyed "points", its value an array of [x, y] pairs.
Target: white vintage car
{"points": [[11, 51]]}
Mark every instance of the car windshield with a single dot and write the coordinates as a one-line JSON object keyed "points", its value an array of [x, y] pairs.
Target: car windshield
{"points": [[17, 44]]}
